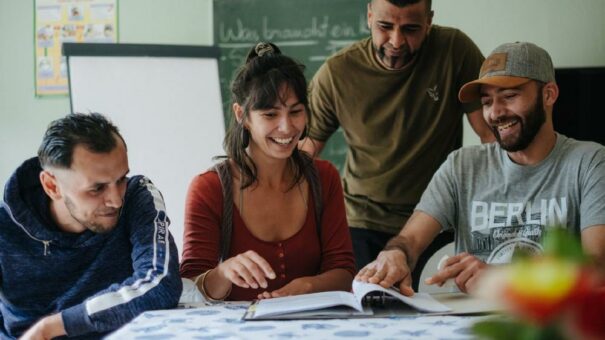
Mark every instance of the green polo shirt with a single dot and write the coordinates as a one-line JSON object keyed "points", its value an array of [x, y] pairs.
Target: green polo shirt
{"points": [[399, 124]]}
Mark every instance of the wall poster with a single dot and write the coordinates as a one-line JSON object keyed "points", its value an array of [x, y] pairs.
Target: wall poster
{"points": [[58, 21]]}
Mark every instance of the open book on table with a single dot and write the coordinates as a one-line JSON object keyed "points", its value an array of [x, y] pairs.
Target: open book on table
{"points": [[336, 304]]}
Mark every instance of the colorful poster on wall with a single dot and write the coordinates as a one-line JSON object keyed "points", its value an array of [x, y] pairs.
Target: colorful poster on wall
{"points": [[59, 21]]}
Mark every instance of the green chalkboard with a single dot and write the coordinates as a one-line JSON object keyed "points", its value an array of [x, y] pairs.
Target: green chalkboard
{"points": [[308, 30]]}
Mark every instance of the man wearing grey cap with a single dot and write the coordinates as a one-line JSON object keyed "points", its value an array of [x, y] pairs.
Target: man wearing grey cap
{"points": [[501, 197]]}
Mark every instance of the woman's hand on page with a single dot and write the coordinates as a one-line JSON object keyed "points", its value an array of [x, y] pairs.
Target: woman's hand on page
{"points": [[302, 285], [389, 268], [464, 269], [247, 270]]}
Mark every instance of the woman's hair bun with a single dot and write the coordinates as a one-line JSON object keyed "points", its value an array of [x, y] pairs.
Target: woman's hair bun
{"points": [[263, 49]]}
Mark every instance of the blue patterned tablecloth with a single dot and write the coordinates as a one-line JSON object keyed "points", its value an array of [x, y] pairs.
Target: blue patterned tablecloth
{"points": [[224, 321]]}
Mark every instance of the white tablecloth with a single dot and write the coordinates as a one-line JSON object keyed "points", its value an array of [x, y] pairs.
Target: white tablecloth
{"points": [[224, 321]]}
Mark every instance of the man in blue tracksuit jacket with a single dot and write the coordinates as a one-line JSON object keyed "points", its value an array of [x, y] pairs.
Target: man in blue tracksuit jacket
{"points": [[83, 248]]}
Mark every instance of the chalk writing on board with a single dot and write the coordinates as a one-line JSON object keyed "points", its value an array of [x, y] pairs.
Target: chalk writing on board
{"points": [[309, 31], [329, 36]]}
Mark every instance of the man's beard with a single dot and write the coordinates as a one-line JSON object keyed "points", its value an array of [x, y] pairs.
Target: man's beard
{"points": [[529, 128], [392, 62], [90, 225]]}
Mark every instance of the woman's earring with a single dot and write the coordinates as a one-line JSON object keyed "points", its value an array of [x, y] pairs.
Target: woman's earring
{"points": [[303, 135], [245, 137]]}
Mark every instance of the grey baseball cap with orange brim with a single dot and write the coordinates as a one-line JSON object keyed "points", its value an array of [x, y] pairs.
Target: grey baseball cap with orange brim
{"points": [[510, 65]]}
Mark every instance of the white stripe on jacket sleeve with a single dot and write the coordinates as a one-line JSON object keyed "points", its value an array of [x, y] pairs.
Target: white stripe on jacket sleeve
{"points": [[152, 278]]}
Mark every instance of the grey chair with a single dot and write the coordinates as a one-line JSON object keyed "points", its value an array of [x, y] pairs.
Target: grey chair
{"points": [[444, 238]]}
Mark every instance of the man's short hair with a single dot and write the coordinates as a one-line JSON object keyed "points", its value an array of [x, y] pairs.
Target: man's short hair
{"points": [[403, 3], [95, 132]]}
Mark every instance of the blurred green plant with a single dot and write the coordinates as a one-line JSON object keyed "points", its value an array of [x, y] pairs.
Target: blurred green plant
{"points": [[515, 330], [562, 244]]}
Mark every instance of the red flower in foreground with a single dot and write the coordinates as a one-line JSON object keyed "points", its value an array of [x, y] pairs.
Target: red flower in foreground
{"points": [[589, 319]]}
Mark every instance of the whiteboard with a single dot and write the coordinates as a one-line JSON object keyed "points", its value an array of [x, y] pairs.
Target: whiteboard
{"points": [[166, 102]]}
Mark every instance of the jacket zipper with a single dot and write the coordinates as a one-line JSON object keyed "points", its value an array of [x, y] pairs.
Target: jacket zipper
{"points": [[46, 243], [46, 246]]}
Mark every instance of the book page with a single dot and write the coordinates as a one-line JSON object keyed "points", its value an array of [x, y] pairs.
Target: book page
{"points": [[336, 312], [462, 304], [298, 303], [420, 301]]}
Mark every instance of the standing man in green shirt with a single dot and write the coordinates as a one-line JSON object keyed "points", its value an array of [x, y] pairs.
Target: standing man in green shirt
{"points": [[395, 96]]}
